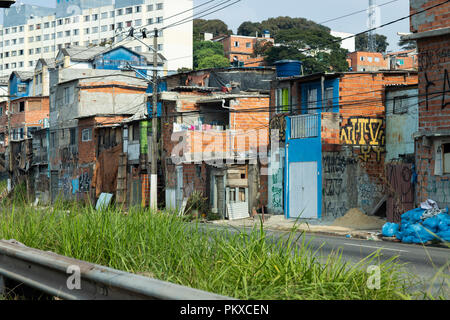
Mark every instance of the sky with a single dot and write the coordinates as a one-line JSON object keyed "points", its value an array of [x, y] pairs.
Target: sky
{"points": [[318, 11]]}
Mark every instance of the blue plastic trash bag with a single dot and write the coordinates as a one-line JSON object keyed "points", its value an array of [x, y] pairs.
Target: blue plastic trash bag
{"points": [[444, 235], [412, 216], [389, 229], [432, 223]]}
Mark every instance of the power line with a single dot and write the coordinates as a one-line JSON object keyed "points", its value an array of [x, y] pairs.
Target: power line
{"points": [[356, 12]]}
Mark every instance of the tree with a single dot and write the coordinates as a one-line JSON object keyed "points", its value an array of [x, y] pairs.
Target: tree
{"points": [[299, 39], [407, 44], [216, 27], [208, 54], [362, 42]]}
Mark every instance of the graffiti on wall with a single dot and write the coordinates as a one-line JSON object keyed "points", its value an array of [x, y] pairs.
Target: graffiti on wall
{"points": [[85, 182], [336, 163], [445, 89], [367, 133], [439, 190]]}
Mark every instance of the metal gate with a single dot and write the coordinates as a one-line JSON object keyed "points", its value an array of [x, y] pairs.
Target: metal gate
{"points": [[400, 191]]}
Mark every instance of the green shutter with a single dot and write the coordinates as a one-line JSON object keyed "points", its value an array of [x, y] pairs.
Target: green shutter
{"points": [[285, 100]]}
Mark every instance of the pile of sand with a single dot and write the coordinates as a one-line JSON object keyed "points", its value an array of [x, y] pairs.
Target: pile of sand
{"points": [[356, 219]]}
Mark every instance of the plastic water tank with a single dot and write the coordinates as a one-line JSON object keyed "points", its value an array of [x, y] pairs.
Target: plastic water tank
{"points": [[288, 68]]}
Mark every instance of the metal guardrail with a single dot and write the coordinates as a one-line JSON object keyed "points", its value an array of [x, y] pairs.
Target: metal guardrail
{"points": [[49, 272]]}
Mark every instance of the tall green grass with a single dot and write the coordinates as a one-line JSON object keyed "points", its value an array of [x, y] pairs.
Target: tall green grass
{"points": [[164, 246]]}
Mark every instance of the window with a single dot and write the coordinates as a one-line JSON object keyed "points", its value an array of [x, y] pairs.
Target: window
{"points": [[377, 59], [21, 28], [60, 34], [361, 58], [46, 25], [7, 43], [86, 18], [94, 17], [104, 28], [312, 101], [60, 22], [38, 26], [112, 14], [138, 22], [128, 24], [21, 52], [104, 15], [22, 88], [76, 19], [150, 7], [14, 41], [328, 103], [95, 30], [86, 31], [76, 32], [137, 9], [13, 53], [400, 105], [38, 38], [119, 12], [21, 64], [119, 25], [30, 28], [248, 45], [159, 6], [46, 37], [38, 50], [159, 20], [21, 106], [73, 137], [369, 59], [30, 63], [46, 49], [68, 95], [400, 62], [14, 30], [86, 135], [282, 100], [236, 44], [111, 27], [129, 10], [446, 157], [150, 21], [68, 33], [160, 47], [13, 65]]}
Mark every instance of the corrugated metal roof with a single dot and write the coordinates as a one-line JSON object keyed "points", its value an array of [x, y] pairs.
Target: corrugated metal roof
{"points": [[78, 53]]}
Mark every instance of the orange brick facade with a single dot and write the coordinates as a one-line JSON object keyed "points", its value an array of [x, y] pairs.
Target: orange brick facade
{"points": [[242, 48]]}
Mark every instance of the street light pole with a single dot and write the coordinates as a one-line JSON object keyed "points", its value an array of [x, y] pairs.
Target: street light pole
{"points": [[154, 168]]}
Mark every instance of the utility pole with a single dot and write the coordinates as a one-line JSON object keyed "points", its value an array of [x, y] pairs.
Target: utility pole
{"points": [[154, 171]]}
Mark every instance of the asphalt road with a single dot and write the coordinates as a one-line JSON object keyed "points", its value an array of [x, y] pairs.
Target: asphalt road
{"points": [[423, 261]]}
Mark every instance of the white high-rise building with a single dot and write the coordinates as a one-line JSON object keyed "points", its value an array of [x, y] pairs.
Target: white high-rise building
{"points": [[31, 32]]}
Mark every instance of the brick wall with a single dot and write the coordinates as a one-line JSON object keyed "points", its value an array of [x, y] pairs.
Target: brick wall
{"points": [[434, 104], [434, 58], [429, 20]]}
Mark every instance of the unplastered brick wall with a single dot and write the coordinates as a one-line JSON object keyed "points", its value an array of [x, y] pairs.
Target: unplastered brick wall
{"points": [[194, 179], [434, 81], [434, 18]]}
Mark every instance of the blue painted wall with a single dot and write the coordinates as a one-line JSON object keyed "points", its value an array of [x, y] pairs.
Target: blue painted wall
{"points": [[305, 87], [162, 86], [113, 59], [302, 150], [14, 83], [308, 149]]}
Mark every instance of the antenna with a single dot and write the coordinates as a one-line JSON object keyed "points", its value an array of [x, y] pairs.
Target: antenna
{"points": [[373, 22]]}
